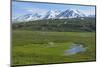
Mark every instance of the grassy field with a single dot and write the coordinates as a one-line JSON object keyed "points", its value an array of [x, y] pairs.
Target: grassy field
{"points": [[38, 47]]}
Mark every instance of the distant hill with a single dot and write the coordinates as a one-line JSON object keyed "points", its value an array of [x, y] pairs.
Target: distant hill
{"points": [[71, 24]]}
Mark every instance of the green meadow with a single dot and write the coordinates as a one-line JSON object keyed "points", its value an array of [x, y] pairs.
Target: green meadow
{"points": [[33, 45]]}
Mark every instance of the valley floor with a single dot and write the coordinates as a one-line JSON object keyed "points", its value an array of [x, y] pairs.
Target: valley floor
{"points": [[38, 47]]}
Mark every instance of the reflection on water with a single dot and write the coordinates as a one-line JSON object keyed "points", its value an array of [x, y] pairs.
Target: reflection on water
{"points": [[75, 48]]}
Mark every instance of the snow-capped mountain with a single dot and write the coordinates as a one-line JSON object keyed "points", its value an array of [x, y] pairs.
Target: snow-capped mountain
{"points": [[70, 14], [28, 17], [52, 14]]}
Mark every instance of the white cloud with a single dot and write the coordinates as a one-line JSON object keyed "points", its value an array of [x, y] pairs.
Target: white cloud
{"points": [[89, 12], [30, 10], [37, 10]]}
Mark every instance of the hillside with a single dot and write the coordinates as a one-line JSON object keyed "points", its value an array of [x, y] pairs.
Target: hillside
{"points": [[72, 24]]}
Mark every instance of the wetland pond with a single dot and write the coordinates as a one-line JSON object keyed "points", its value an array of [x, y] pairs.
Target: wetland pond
{"points": [[75, 48]]}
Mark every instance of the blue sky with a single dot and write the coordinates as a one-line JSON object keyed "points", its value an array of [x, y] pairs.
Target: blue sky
{"points": [[21, 8]]}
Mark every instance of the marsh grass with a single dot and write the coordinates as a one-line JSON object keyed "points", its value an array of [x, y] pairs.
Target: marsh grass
{"points": [[33, 47]]}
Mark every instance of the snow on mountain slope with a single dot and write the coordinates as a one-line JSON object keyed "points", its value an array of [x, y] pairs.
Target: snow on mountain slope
{"points": [[52, 14], [28, 17], [70, 14]]}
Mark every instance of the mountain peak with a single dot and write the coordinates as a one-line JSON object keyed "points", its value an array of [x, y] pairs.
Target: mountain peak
{"points": [[51, 14]]}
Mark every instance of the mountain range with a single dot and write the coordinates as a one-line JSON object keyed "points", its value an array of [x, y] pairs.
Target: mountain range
{"points": [[52, 14]]}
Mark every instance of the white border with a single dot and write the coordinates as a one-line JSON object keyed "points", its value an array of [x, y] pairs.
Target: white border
{"points": [[88, 2], [5, 33]]}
